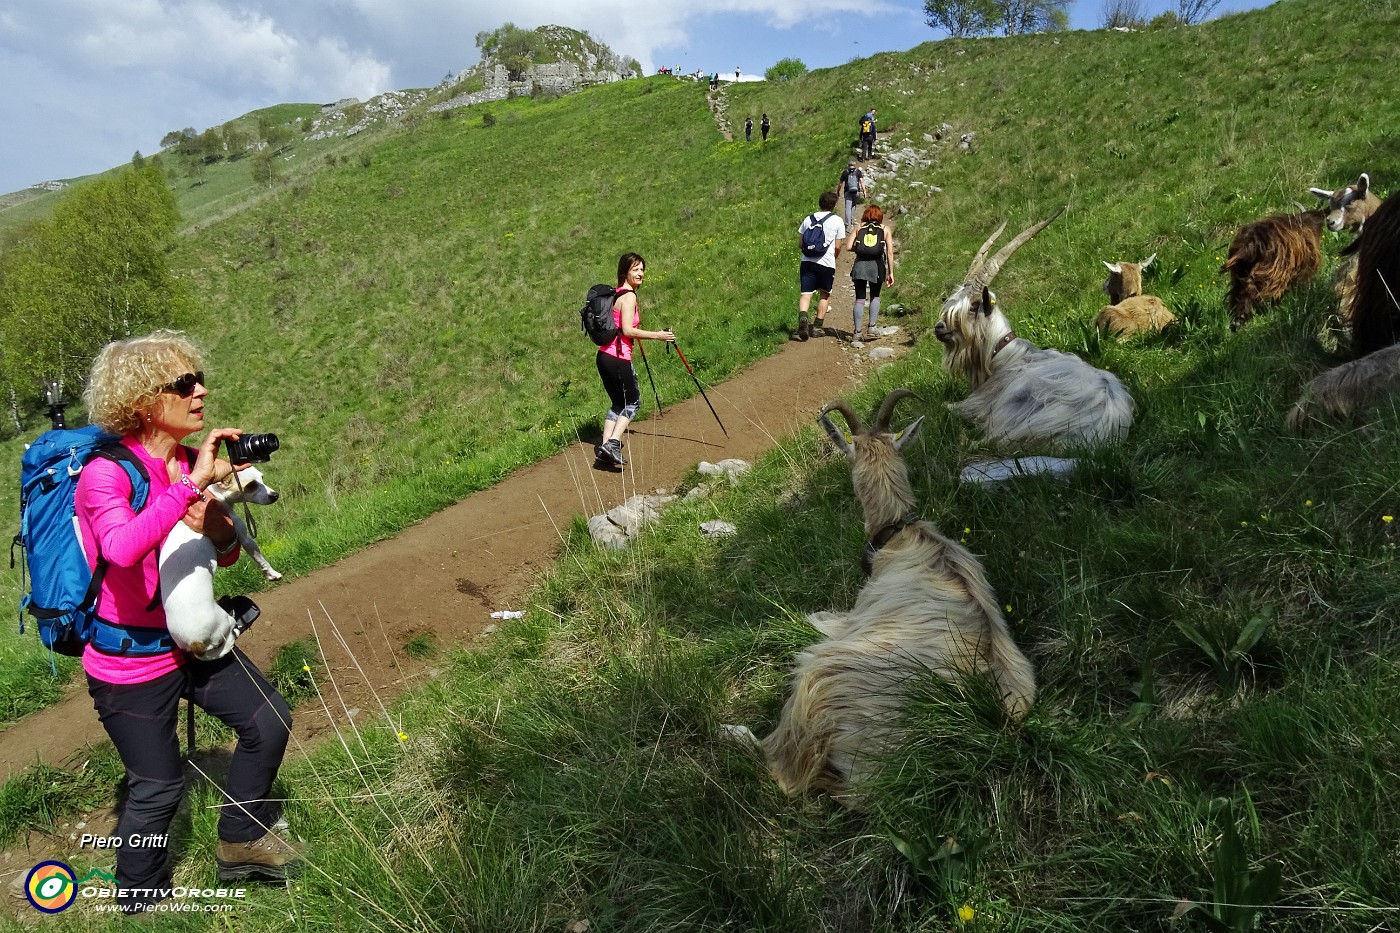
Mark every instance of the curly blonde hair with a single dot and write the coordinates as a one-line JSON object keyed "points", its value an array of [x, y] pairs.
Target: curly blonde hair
{"points": [[128, 375]]}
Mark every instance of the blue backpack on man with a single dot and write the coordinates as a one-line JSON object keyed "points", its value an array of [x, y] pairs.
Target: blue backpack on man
{"points": [[814, 238]]}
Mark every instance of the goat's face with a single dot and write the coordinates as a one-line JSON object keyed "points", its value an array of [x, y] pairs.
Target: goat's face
{"points": [[878, 473], [1348, 208], [1125, 279], [969, 327]]}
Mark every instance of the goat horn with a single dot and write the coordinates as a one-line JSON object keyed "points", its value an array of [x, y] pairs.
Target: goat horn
{"points": [[981, 256], [882, 417], [993, 266], [852, 420]]}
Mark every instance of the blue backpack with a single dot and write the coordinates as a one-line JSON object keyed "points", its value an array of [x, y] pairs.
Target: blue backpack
{"points": [[814, 238], [61, 593]]}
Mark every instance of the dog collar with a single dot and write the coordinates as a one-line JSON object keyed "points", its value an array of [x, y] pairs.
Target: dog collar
{"points": [[882, 537], [1001, 344]]}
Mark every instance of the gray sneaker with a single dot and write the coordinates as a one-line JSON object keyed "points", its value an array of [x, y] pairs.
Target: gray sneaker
{"points": [[612, 450]]}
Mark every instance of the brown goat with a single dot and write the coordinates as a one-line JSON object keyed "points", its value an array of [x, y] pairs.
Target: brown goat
{"points": [[1131, 311], [1270, 256], [1349, 206], [1348, 391], [1374, 310]]}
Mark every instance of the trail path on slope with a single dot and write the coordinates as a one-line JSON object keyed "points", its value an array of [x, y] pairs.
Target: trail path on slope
{"points": [[443, 576]]}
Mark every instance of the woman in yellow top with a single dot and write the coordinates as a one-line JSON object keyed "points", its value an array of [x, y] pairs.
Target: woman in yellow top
{"points": [[871, 245]]}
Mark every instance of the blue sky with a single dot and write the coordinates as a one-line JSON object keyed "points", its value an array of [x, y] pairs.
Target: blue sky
{"points": [[89, 82]]}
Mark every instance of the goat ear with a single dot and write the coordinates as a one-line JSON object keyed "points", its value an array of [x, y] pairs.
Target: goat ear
{"points": [[1111, 266], [838, 437], [1323, 194], [906, 437], [988, 300], [1146, 262], [1362, 184]]}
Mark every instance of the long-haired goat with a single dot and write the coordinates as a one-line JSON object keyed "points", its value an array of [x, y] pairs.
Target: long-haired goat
{"points": [[1374, 308], [1348, 391], [1269, 256], [1023, 396], [1130, 311], [927, 607]]}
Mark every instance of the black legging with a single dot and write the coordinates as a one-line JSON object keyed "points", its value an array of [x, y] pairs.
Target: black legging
{"points": [[620, 382], [141, 718]]}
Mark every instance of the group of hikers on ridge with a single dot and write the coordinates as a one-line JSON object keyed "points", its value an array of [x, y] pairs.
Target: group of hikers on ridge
{"points": [[822, 236]]}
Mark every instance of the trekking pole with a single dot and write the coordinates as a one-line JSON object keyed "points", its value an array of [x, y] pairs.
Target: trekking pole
{"points": [[697, 384], [659, 409]]}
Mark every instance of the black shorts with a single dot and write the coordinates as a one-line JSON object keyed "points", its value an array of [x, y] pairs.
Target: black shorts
{"points": [[815, 277]]}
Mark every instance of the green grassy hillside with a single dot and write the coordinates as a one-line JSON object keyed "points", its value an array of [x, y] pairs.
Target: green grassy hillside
{"points": [[1210, 607]]}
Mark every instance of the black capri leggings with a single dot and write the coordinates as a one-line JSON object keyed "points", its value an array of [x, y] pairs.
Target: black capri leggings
{"points": [[620, 382], [862, 284], [141, 718]]}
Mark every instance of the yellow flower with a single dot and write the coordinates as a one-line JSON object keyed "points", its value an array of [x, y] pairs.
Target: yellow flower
{"points": [[1308, 503], [1387, 518], [1244, 524], [1008, 607], [966, 913], [307, 668], [967, 531], [403, 736]]}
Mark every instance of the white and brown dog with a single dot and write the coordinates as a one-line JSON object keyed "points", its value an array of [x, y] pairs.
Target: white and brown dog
{"points": [[196, 621]]}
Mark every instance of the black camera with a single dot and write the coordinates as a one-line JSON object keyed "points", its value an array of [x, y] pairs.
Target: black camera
{"points": [[244, 611], [252, 448]]}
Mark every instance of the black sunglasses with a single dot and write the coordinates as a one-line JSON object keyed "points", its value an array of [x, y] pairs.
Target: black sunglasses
{"points": [[184, 386]]}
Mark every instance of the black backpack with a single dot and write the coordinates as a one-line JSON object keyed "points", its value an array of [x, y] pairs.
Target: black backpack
{"points": [[597, 315], [870, 242], [814, 238]]}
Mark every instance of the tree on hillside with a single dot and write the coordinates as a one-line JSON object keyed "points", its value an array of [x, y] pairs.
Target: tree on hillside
{"points": [[786, 68], [1191, 12], [92, 272], [172, 138], [211, 145], [276, 135], [1123, 14], [1018, 17], [962, 18]]}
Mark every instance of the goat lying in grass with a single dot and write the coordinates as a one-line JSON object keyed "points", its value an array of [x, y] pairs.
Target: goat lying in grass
{"points": [[1130, 311], [927, 607], [1348, 391], [1373, 307], [1023, 396], [1270, 256]]}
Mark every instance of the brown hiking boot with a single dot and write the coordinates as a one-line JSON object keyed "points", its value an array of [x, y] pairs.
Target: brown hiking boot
{"points": [[268, 858]]}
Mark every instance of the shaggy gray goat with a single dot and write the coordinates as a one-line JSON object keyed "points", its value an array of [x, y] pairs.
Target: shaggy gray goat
{"points": [[1131, 311], [927, 607], [1347, 392], [1023, 396]]}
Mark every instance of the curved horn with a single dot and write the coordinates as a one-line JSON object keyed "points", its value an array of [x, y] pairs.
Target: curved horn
{"points": [[882, 417], [852, 420], [981, 256], [993, 266]]}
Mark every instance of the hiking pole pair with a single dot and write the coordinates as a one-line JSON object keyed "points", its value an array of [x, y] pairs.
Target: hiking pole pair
{"points": [[696, 380]]}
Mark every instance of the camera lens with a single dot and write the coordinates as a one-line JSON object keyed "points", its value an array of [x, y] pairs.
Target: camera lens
{"points": [[252, 448]]}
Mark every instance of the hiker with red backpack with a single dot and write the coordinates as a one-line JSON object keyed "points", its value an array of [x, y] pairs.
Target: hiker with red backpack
{"points": [[149, 392], [819, 239]]}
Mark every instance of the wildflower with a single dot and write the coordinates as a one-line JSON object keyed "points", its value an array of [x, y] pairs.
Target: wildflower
{"points": [[1008, 607], [1244, 524], [1307, 503], [1387, 518], [403, 736], [967, 531], [307, 668], [966, 913]]}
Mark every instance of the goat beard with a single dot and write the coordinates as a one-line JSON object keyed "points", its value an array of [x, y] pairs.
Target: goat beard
{"points": [[972, 339]]}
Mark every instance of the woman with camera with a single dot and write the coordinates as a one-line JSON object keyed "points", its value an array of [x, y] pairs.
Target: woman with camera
{"points": [[615, 358], [151, 392]]}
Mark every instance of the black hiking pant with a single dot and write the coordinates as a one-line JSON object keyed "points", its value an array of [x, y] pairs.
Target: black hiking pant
{"points": [[141, 718]]}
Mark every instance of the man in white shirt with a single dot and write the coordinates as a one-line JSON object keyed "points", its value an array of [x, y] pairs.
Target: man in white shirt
{"points": [[819, 239]]}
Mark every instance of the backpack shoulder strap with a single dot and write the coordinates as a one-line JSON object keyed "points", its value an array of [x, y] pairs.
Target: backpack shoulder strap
{"points": [[135, 471]]}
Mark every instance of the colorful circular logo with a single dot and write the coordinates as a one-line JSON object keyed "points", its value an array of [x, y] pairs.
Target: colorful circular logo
{"points": [[51, 887]]}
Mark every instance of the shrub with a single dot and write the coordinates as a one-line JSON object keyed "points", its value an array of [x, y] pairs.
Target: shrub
{"points": [[786, 68]]}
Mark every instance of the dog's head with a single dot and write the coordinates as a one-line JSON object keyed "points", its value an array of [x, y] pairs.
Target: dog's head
{"points": [[253, 490]]}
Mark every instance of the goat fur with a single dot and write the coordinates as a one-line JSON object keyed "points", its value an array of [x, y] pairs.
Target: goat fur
{"points": [[1347, 392], [1268, 257], [1130, 311], [1373, 311], [927, 607], [1023, 396], [1350, 205]]}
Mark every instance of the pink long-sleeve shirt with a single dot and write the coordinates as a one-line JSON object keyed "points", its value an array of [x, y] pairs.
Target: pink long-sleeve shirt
{"points": [[131, 543]]}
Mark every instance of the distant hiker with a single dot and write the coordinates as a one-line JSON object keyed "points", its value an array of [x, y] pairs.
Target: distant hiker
{"points": [[150, 392], [870, 243], [818, 240], [615, 358], [736, 75], [748, 129], [867, 135], [852, 187], [763, 126], [714, 80]]}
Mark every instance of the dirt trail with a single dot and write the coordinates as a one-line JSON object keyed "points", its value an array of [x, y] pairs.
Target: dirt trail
{"points": [[443, 576]]}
